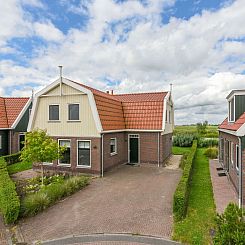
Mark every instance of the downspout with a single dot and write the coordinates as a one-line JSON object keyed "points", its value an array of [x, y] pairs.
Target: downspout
{"points": [[102, 155], [10, 142], [240, 196], [158, 149]]}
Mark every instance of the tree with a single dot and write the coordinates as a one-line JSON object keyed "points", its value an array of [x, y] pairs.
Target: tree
{"points": [[202, 127], [39, 147]]}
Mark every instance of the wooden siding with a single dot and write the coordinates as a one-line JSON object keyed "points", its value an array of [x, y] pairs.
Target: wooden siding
{"points": [[239, 105], [4, 150], [84, 128], [169, 126], [66, 90], [23, 123]]}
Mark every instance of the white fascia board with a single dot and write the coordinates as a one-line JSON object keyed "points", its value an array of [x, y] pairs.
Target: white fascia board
{"points": [[131, 130], [166, 98], [21, 114], [241, 131], [33, 113], [228, 131]]}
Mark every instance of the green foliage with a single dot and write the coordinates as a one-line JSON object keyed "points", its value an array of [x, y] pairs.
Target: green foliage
{"points": [[195, 228], [184, 140], [9, 201], [208, 142], [181, 194], [48, 195], [40, 147], [211, 152], [230, 226], [202, 127], [12, 159], [176, 150], [19, 167]]}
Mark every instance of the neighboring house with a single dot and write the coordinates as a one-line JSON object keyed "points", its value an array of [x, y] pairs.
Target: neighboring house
{"points": [[232, 142], [102, 130], [14, 117]]}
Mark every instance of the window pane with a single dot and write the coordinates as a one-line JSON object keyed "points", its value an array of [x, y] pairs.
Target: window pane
{"points": [[54, 112], [112, 145], [74, 112], [83, 153], [237, 157], [66, 155]]}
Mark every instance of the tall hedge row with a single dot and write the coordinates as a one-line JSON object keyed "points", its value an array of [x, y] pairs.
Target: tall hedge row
{"points": [[9, 200], [181, 194]]}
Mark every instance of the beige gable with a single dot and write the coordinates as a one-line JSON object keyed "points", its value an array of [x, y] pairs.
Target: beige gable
{"points": [[66, 90]]}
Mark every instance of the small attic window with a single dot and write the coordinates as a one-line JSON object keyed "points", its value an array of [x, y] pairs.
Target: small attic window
{"points": [[231, 110]]}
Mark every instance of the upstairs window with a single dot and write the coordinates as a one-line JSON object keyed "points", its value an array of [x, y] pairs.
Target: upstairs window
{"points": [[54, 113], [73, 112], [231, 110], [113, 146]]}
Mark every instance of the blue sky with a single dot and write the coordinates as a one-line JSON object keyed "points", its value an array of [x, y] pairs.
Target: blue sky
{"points": [[128, 46]]}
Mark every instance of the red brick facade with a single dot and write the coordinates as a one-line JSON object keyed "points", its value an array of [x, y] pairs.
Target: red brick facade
{"points": [[148, 151], [226, 161]]}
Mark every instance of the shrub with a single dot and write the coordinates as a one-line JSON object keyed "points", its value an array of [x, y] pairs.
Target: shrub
{"points": [[48, 195], [181, 194], [230, 226], [184, 140], [9, 201], [11, 159], [211, 153], [206, 142]]}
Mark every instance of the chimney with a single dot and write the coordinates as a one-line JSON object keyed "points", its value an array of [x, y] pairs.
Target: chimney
{"points": [[112, 92], [107, 91], [60, 79]]}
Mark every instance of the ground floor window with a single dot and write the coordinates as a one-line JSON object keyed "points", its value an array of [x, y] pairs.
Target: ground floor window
{"points": [[84, 153], [67, 154], [113, 146], [237, 157], [221, 149], [21, 141], [232, 153]]}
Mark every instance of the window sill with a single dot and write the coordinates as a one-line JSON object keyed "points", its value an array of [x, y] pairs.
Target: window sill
{"points": [[54, 121], [114, 153], [83, 166], [71, 121], [64, 165], [47, 163]]}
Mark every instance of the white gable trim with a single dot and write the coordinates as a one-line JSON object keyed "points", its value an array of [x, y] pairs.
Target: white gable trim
{"points": [[166, 98], [241, 131], [17, 120], [75, 86]]}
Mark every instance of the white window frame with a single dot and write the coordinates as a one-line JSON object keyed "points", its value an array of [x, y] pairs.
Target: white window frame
{"points": [[64, 164], [1, 140], [232, 153], [84, 166], [50, 120], [229, 110], [115, 152], [76, 120], [237, 158]]}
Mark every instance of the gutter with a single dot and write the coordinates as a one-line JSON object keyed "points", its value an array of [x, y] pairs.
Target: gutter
{"points": [[102, 155], [158, 149], [240, 195]]}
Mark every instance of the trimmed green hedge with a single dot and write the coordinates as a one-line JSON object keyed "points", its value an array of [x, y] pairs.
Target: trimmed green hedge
{"points": [[181, 194], [13, 158], [9, 200], [48, 195]]}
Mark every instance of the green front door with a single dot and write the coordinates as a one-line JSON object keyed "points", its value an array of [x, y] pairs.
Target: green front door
{"points": [[134, 150]]}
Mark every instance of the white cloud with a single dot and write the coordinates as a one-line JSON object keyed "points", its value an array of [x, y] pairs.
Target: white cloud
{"points": [[201, 56]]}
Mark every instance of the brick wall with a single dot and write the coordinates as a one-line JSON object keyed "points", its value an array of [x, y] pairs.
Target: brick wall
{"points": [[14, 139], [95, 157], [166, 146], [111, 160]]}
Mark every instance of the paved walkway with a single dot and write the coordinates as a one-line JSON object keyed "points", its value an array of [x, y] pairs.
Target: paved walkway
{"points": [[110, 239], [173, 162], [3, 235], [224, 192], [136, 200]]}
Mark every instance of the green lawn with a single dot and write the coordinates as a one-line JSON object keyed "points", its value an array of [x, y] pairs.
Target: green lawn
{"points": [[19, 167], [176, 150], [194, 229]]}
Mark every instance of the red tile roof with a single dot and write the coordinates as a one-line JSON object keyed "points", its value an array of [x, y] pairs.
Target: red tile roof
{"points": [[129, 111], [10, 108], [233, 126]]}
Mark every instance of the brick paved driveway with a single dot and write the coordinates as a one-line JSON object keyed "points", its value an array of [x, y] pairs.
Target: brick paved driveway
{"points": [[129, 199]]}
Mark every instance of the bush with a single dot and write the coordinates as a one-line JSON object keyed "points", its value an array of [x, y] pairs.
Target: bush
{"points": [[11, 159], [230, 226], [181, 194], [184, 140], [48, 195], [206, 142], [211, 153], [9, 201]]}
